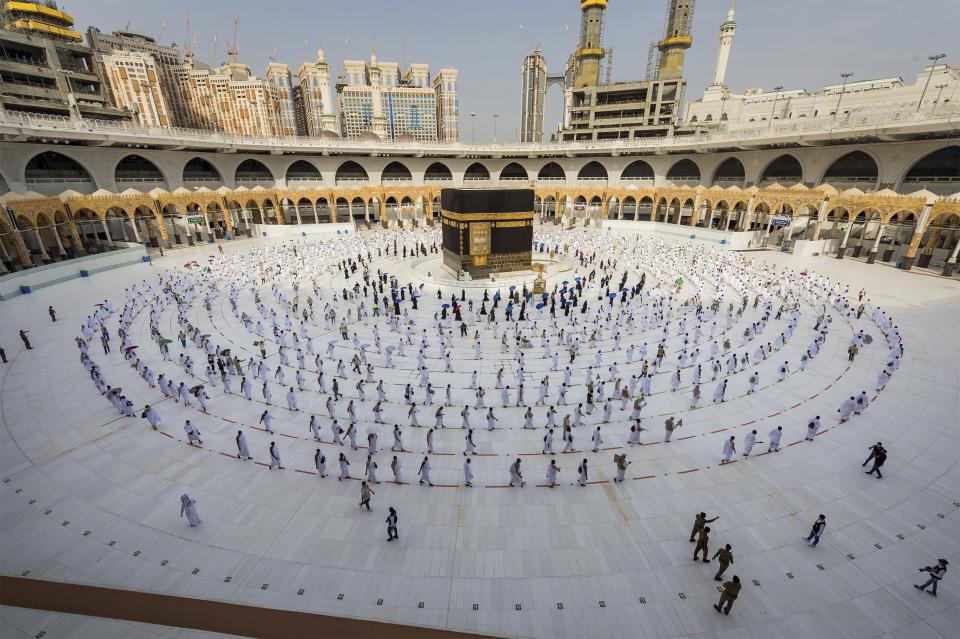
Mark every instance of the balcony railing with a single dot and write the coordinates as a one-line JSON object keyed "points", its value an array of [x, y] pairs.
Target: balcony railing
{"points": [[857, 123]]}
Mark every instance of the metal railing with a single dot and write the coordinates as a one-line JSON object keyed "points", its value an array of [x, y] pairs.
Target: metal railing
{"points": [[857, 122]]}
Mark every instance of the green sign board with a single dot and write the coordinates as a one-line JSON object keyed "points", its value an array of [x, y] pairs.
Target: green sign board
{"points": [[195, 219]]}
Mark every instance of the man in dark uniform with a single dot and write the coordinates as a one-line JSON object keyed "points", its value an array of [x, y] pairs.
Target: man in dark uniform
{"points": [[702, 545], [698, 524], [728, 595], [725, 557]]}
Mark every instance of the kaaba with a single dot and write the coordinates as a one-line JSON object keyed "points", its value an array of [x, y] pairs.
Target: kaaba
{"points": [[487, 230]]}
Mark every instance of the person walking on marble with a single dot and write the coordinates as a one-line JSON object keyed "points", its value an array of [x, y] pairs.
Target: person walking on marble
{"points": [[151, 415], [243, 451], [703, 539], [729, 448], [729, 594], [275, 457], [188, 507], [193, 435], [424, 472], [936, 574], [817, 530], [725, 558], [366, 492], [698, 523], [391, 522], [516, 477]]}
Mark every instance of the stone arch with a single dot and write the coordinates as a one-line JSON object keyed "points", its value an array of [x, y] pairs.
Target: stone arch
{"points": [[476, 172], [323, 210], [551, 171], [645, 209], [596, 204], [136, 169], [303, 171], [637, 171], [613, 207], [549, 207], [51, 167], [856, 169], [199, 170], [438, 172], [514, 172], [592, 170], [49, 239], [342, 207], [684, 171], [252, 171], [358, 209], [395, 172], [628, 209], [435, 207], [937, 171], [351, 171], [730, 172], [306, 212], [785, 169], [257, 216]]}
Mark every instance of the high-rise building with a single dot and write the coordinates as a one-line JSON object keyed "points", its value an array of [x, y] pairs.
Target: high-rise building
{"points": [[228, 99], [46, 68], [676, 40], [448, 105], [314, 106], [533, 92], [622, 110], [589, 46], [281, 93], [374, 98], [165, 58], [135, 85]]}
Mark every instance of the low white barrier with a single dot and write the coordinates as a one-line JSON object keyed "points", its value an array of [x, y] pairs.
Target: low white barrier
{"points": [[15, 284]]}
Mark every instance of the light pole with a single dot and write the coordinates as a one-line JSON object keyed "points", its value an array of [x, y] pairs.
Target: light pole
{"points": [[473, 128], [941, 87], [495, 116], [933, 62], [778, 89], [842, 89], [723, 107]]}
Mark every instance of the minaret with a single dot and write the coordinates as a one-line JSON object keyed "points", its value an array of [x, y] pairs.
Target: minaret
{"points": [[328, 120], [676, 40], [727, 30], [378, 123], [589, 50]]}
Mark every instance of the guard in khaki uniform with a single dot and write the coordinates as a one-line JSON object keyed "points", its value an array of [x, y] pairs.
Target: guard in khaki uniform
{"points": [[702, 545], [725, 557], [698, 524], [728, 595]]}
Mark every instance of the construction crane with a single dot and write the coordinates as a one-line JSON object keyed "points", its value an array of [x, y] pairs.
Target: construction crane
{"points": [[652, 62], [163, 29], [526, 34], [609, 65], [187, 42], [215, 47], [232, 49]]}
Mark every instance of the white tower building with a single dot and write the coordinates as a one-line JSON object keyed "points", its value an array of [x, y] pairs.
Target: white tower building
{"points": [[727, 30]]}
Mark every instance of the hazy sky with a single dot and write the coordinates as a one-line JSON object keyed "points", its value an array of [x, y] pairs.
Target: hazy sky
{"points": [[799, 44]]}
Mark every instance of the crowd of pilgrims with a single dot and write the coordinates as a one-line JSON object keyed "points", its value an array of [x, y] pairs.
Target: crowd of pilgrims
{"points": [[336, 335]]}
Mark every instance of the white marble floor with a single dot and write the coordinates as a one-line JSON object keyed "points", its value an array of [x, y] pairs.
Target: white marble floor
{"points": [[92, 497]]}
